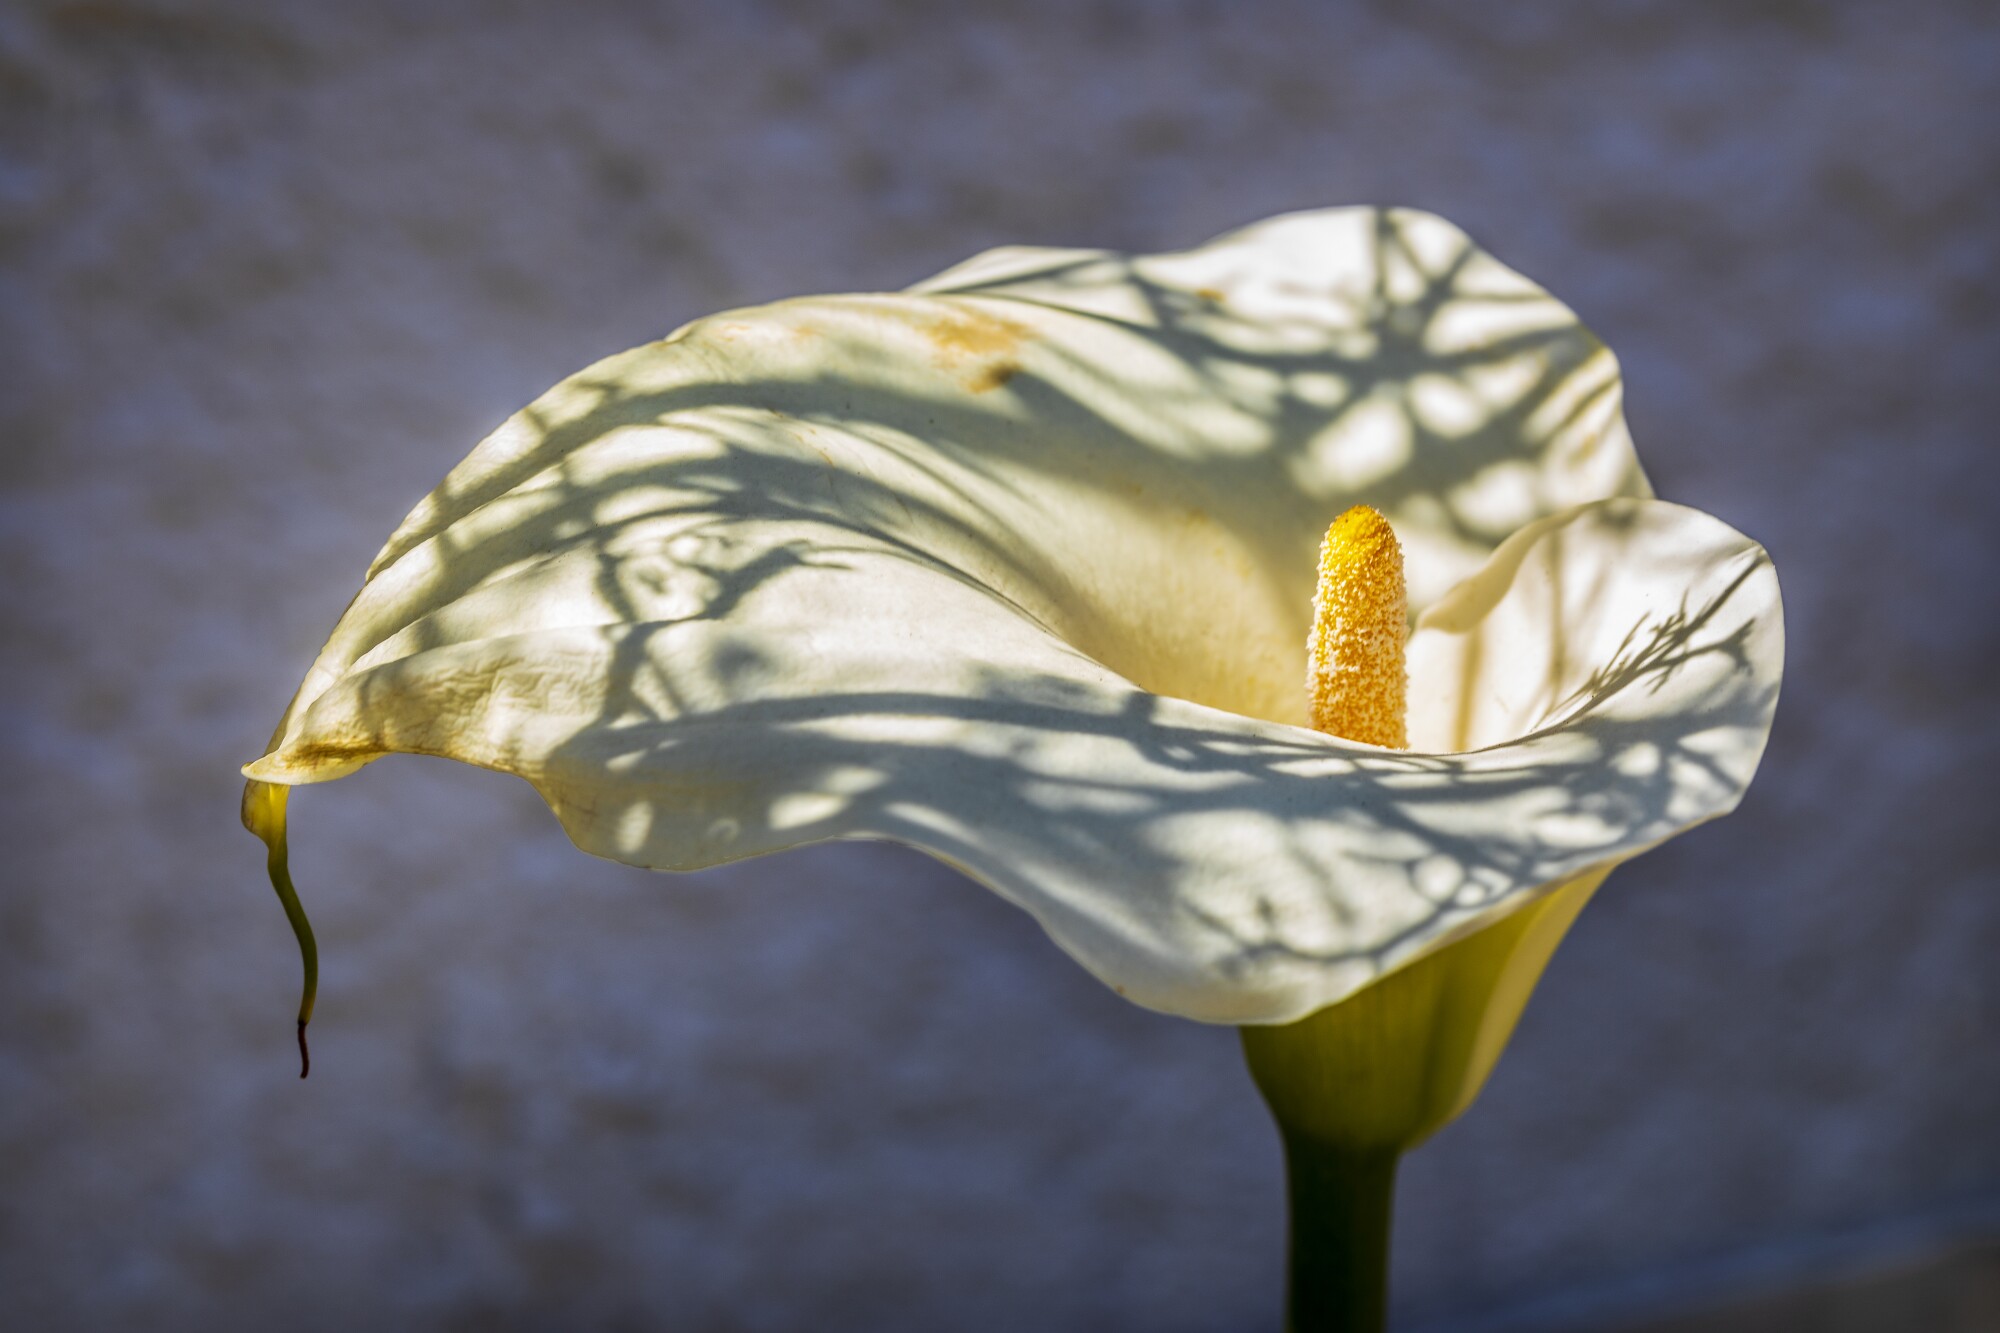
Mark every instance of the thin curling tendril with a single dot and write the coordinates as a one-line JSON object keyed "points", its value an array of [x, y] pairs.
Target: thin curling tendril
{"points": [[264, 815]]}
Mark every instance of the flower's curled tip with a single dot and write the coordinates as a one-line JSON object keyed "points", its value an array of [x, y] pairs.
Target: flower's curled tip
{"points": [[264, 815], [1355, 675]]}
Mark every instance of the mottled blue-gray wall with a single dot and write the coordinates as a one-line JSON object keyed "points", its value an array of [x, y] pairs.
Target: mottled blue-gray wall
{"points": [[267, 270]]}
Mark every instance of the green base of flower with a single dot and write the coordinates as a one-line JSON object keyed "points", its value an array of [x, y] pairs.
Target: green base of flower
{"points": [[1359, 1083]]}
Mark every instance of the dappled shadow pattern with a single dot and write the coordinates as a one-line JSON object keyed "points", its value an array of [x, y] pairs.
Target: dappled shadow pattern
{"points": [[1015, 569], [1230, 399]]}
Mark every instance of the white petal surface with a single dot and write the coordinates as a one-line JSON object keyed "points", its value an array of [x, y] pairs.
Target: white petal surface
{"points": [[1016, 567]]}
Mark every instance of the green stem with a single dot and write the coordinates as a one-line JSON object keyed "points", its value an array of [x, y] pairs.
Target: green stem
{"points": [[1338, 1267]]}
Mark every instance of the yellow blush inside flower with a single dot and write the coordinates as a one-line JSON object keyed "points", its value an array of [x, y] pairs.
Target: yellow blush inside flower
{"points": [[1355, 675]]}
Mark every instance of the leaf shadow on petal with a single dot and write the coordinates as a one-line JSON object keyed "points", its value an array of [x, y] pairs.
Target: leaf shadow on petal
{"points": [[654, 510], [951, 477], [1079, 803]]}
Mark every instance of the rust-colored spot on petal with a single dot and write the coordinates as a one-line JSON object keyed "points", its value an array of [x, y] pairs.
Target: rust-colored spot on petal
{"points": [[975, 348], [993, 376]]}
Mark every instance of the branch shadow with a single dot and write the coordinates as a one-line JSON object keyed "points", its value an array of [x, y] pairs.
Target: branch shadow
{"points": [[660, 497]]}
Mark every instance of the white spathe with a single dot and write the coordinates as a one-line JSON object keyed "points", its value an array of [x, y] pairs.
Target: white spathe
{"points": [[1016, 568]]}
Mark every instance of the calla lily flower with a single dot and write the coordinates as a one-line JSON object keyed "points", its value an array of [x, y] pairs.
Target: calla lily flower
{"points": [[1017, 566]]}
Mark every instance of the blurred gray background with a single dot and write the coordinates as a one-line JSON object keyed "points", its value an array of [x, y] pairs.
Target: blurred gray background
{"points": [[268, 269]]}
